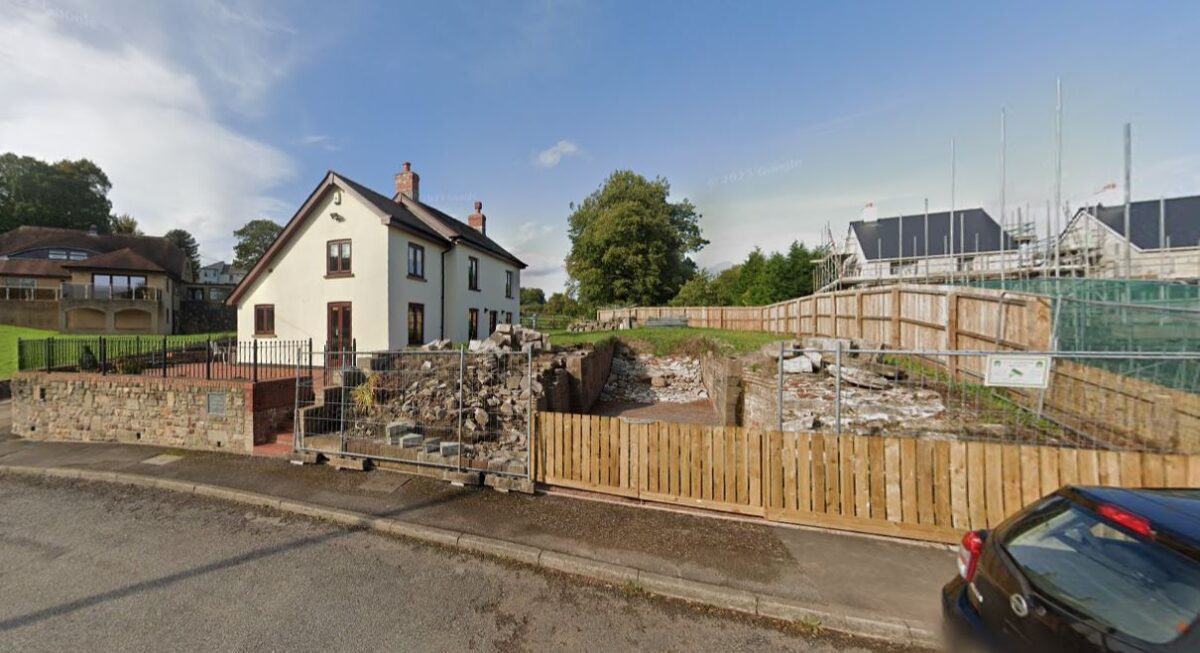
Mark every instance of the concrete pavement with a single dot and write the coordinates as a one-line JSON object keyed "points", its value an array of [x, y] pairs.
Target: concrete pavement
{"points": [[96, 566], [858, 577]]}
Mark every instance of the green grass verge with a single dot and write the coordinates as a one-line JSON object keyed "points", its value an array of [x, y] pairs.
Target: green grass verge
{"points": [[8, 346], [663, 341]]}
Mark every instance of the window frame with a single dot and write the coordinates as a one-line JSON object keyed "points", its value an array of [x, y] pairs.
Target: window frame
{"points": [[473, 273], [472, 324], [344, 263], [508, 284], [414, 248], [265, 310]]}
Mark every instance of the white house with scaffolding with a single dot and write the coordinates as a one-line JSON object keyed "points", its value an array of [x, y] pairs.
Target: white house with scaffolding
{"points": [[1162, 242], [922, 247]]}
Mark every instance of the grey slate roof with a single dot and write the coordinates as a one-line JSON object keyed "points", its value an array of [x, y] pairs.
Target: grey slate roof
{"points": [[881, 238], [400, 215], [455, 229], [160, 251], [1181, 222]]}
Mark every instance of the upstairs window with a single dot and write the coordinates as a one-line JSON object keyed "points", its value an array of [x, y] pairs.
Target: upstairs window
{"points": [[337, 259], [416, 261], [264, 319], [472, 273], [508, 284], [58, 254]]}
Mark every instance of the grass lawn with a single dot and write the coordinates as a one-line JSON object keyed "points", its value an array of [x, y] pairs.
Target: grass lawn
{"points": [[9, 335], [8, 346], [672, 340]]}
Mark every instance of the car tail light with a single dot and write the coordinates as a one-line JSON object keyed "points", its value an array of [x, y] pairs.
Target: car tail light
{"points": [[968, 554], [1135, 523]]}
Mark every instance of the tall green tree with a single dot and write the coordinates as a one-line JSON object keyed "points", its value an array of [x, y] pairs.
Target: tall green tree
{"points": [[630, 244], [253, 239], [67, 194], [186, 242], [125, 224], [563, 304], [532, 300], [698, 291]]}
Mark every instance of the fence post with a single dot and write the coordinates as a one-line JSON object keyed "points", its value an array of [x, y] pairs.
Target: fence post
{"points": [[462, 359], [296, 431], [49, 349], [164, 357], [530, 459], [103, 357], [837, 391], [208, 358], [310, 357], [254, 363], [779, 406], [20, 356]]}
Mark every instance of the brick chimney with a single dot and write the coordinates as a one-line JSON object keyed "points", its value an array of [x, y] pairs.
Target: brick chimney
{"points": [[408, 183], [477, 219]]}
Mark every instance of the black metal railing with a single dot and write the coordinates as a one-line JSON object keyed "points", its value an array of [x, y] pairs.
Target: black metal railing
{"points": [[198, 357]]}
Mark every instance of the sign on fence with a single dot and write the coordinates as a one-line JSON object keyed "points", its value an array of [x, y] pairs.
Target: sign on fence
{"points": [[1017, 371]]}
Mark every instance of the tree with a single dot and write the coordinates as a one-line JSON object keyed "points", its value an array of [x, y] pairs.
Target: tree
{"points": [[125, 224], [758, 280], [67, 194], [253, 239], [564, 304], [532, 300], [629, 244], [698, 291], [184, 241]]}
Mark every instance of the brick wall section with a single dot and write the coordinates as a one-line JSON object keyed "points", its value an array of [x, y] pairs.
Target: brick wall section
{"points": [[167, 412], [273, 404], [722, 378]]}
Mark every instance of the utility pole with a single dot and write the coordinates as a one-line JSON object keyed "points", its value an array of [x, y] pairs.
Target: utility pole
{"points": [[1003, 183], [1057, 178], [926, 252]]}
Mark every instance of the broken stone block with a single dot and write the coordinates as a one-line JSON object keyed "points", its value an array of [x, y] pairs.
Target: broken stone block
{"points": [[411, 440], [798, 365], [659, 381], [449, 449], [431, 445], [399, 428], [481, 417]]}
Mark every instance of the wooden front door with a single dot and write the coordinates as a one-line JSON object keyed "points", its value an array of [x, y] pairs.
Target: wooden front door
{"points": [[340, 334]]}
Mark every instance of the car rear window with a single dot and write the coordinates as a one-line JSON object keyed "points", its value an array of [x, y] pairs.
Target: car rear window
{"points": [[1138, 587]]}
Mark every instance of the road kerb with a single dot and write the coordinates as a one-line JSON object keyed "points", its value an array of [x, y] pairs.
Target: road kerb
{"points": [[718, 596], [580, 566], [500, 548], [707, 593]]}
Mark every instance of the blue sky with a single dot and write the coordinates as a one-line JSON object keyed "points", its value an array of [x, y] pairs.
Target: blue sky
{"points": [[774, 118]]}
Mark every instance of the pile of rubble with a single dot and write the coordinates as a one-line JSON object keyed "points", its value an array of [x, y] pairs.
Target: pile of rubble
{"points": [[585, 326], [647, 379]]}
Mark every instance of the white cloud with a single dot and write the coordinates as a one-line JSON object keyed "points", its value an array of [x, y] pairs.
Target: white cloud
{"points": [[551, 156], [320, 140], [141, 117], [542, 247]]}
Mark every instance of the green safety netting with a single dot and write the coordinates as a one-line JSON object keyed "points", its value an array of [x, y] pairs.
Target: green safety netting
{"points": [[1118, 315]]}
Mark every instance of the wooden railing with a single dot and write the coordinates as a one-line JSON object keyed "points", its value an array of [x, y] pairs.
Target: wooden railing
{"points": [[906, 487]]}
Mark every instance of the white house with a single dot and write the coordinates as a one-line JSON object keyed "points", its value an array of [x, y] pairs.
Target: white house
{"points": [[356, 267], [1163, 240]]}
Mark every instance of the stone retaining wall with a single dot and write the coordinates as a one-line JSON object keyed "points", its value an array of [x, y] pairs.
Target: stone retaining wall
{"points": [[722, 378], [180, 412], [588, 374]]}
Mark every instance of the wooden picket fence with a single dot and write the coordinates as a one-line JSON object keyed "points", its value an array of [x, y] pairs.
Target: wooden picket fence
{"points": [[906, 487]]}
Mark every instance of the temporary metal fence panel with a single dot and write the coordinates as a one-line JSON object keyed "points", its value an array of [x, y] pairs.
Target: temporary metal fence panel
{"points": [[453, 410], [942, 395]]}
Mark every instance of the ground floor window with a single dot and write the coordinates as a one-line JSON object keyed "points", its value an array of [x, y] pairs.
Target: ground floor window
{"points": [[264, 320], [473, 324], [492, 322], [416, 324]]}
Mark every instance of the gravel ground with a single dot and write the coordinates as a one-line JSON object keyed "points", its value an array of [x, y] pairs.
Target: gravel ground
{"points": [[89, 566]]}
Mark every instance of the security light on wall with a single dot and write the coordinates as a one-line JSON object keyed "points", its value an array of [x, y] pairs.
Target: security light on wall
{"points": [[337, 217], [337, 197]]}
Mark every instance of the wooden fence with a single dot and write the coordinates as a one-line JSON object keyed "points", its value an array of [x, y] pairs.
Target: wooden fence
{"points": [[906, 487], [950, 318]]}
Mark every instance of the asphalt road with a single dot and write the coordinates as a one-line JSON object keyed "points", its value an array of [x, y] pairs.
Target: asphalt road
{"points": [[92, 566]]}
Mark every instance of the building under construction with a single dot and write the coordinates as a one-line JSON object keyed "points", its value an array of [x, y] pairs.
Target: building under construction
{"points": [[1156, 239]]}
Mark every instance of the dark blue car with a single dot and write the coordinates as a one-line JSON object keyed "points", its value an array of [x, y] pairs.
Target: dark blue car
{"points": [[1084, 569]]}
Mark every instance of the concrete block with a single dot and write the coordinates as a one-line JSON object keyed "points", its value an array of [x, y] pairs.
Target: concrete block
{"points": [[509, 484], [304, 458], [411, 440], [432, 445], [398, 429], [461, 478], [449, 449], [350, 463]]}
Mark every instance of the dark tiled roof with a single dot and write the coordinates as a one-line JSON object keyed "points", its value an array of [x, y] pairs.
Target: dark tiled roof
{"points": [[160, 251], [974, 231], [453, 228], [1181, 222], [401, 216], [33, 267], [125, 260]]}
